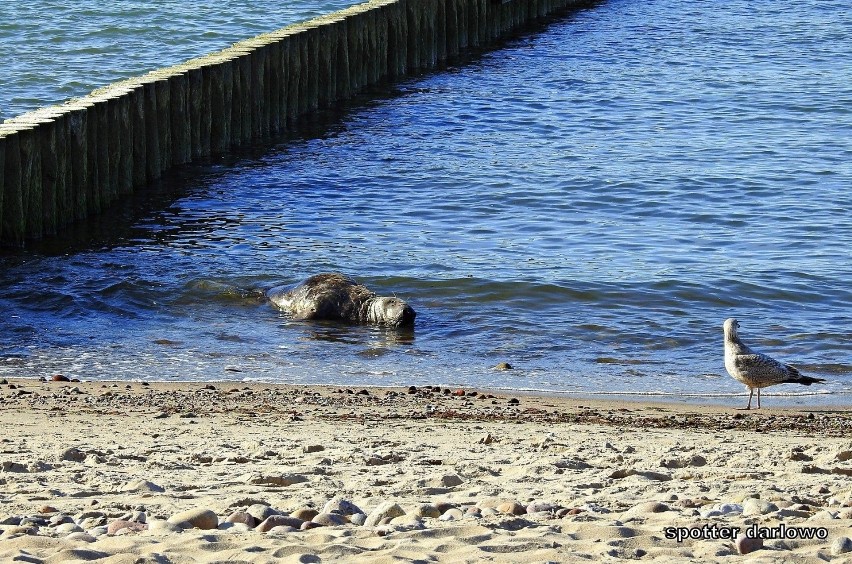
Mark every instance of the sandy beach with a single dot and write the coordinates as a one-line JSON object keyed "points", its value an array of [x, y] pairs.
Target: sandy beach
{"points": [[227, 472]]}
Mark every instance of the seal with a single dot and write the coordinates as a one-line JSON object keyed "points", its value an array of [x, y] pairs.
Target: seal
{"points": [[337, 297]]}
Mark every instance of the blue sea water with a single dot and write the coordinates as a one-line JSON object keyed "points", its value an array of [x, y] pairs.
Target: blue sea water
{"points": [[587, 202], [52, 50]]}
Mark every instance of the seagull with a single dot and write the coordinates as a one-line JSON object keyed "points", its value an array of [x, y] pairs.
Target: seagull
{"points": [[754, 369]]}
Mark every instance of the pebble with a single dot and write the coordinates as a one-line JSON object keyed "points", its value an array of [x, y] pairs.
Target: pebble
{"points": [[746, 545], [542, 506], [754, 506], [241, 517], [511, 508], [358, 519], [158, 525], [330, 519], [81, 536], [306, 513], [198, 518], [72, 455], [275, 521], [722, 509], [407, 521], [60, 519], [92, 522], [841, 545], [261, 512], [340, 505], [67, 529], [453, 514], [426, 510], [386, 510], [120, 525]]}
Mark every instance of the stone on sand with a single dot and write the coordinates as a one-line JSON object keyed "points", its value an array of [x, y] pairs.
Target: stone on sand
{"points": [[330, 519], [306, 513], [340, 505], [753, 506], [260, 512], [385, 510], [120, 524], [745, 544], [241, 517], [841, 545], [274, 521], [198, 518]]}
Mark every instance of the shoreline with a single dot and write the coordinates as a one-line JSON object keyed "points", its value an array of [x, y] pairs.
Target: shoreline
{"points": [[204, 472], [415, 403]]}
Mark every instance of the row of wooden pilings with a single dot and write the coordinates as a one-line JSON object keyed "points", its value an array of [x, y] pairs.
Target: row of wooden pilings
{"points": [[63, 163]]}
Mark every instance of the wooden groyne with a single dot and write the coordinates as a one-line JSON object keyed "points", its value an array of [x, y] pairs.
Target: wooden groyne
{"points": [[64, 163]]}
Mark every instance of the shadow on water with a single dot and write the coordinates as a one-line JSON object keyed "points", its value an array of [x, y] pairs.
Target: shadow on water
{"points": [[135, 219]]}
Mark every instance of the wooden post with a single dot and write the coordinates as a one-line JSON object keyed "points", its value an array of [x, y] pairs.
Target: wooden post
{"points": [[47, 138], [230, 118], [124, 101], [452, 32], [115, 139], [430, 34], [164, 122], [14, 225], [214, 121], [2, 183], [246, 96], [311, 35], [64, 209], [273, 84], [441, 30], [179, 117], [31, 185], [79, 160], [153, 154], [259, 109], [195, 100]]}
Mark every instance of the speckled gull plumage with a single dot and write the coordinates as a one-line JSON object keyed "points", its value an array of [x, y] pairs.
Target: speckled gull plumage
{"points": [[754, 369]]}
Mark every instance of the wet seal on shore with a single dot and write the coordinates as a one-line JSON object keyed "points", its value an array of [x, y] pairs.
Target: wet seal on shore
{"points": [[336, 297]]}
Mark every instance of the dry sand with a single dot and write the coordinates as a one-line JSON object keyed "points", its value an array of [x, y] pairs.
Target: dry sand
{"points": [[111, 472]]}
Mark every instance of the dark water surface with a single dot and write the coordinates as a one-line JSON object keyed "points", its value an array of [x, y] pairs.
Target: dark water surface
{"points": [[588, 203]]}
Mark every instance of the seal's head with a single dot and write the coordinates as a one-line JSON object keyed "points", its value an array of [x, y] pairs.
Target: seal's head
{"points": [[392, 312]]}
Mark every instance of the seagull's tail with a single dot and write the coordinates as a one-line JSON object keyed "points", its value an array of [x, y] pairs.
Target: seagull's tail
{"points": [[797, 378]]}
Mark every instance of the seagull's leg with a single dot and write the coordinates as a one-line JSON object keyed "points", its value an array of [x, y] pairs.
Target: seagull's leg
{"points": [[751, 393], [758, 398]]}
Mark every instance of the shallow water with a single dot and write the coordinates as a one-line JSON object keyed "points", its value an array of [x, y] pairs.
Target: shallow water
{"points": [[587, 203]]}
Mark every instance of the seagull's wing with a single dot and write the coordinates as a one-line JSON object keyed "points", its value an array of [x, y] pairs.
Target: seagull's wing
{"points": [[764, 370]]}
